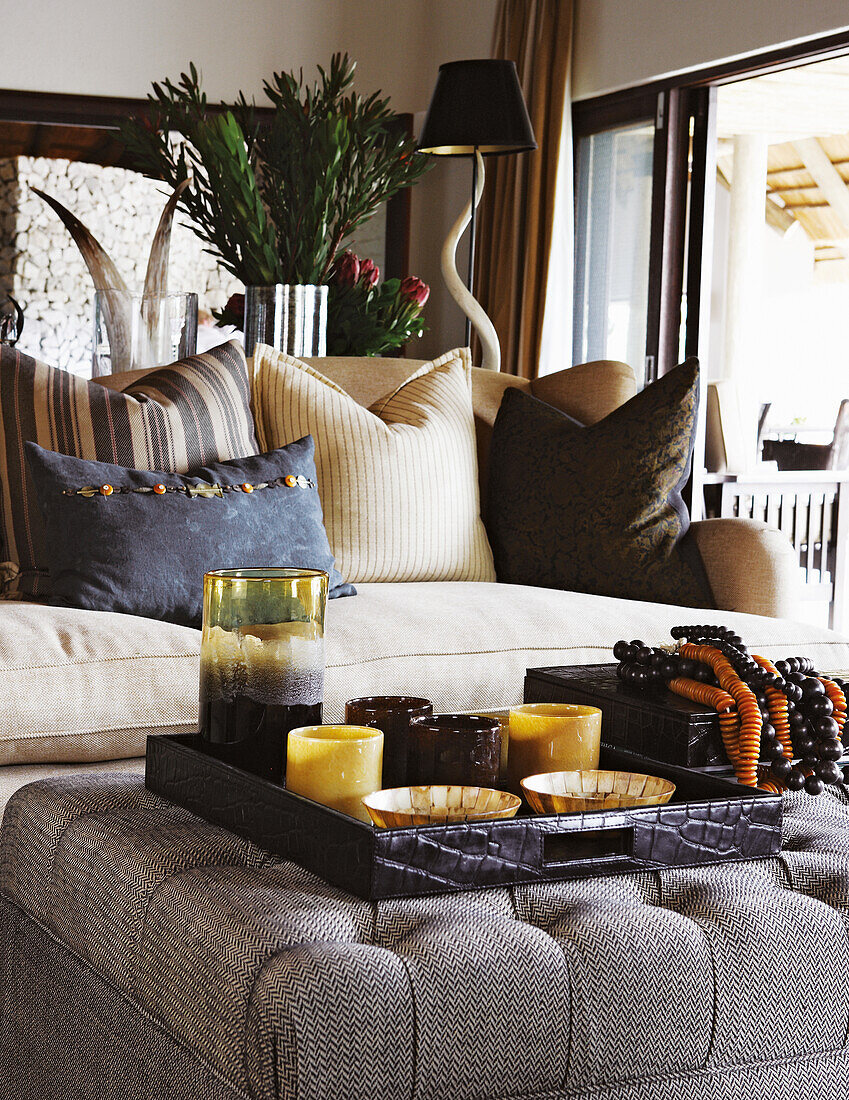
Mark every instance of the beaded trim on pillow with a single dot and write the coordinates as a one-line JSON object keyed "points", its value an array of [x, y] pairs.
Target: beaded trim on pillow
{"points": [[290, 481]]}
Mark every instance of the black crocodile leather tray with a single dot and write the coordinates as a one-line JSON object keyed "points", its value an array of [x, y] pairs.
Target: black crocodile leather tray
{"points": [[710, 820]]}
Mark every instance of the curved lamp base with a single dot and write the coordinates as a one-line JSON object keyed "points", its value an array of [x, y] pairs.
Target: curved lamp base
{"points": [[471, 307]]}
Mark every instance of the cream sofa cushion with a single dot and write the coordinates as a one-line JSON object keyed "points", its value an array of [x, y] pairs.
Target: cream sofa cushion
{"points": [[467, 646], [399, 480], [87, 685]]}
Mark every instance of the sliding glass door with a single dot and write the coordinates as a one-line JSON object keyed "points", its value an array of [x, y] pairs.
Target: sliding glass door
{"points": [[612, 242], [631, 181]]}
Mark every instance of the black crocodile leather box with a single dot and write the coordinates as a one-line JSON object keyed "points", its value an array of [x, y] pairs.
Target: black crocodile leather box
{"points": [[709, 820], [662, 725]]}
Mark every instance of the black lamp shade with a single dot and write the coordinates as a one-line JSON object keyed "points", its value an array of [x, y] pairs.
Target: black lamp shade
{"points": [[477, 105]]}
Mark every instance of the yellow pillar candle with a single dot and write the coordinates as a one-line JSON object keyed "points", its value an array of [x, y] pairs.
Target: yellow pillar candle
{"points": [[552, 737], [335, 765]]}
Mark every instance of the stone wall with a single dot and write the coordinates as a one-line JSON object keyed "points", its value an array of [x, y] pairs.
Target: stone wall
{"points": [[42, 267]]}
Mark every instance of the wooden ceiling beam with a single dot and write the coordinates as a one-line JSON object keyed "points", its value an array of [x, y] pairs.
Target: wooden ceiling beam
{"points": [[828, 179]]}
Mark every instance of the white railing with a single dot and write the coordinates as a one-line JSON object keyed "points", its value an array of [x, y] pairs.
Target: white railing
{"points": [[812, 509]]}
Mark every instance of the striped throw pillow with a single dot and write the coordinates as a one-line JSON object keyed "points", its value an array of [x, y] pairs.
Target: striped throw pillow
{"points": [[399, 481], [173, 418]]}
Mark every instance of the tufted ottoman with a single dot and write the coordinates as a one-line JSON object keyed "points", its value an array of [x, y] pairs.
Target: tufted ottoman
{"points": [[148, 955]]}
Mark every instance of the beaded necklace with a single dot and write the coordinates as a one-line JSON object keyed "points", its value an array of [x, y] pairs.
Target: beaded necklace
{"points": [[785, 713]]}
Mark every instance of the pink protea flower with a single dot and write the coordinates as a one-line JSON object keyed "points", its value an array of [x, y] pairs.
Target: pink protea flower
{"points": [[369, 272], [346, 269], [414, 290], [234, 311]]}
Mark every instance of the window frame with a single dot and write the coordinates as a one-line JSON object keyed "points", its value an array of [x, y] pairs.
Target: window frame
{"points": [[683, 181]]}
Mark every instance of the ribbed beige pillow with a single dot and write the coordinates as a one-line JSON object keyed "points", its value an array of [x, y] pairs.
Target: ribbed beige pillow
{"points": [[398, 481]]}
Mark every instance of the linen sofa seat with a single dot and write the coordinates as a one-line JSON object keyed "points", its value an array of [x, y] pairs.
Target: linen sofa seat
{"points": [[268, 983], [89, 686]]}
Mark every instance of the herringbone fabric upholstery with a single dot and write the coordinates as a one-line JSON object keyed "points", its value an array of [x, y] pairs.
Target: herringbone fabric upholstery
{"points": [[722, 982]]}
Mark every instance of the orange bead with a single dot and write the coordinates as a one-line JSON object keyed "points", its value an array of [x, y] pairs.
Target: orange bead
{"points": [[290, 480], [247, 487], [159, 488], [106, 490]]}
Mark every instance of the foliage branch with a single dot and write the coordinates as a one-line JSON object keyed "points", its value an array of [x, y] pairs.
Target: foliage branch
{"points": [[274, 200]]}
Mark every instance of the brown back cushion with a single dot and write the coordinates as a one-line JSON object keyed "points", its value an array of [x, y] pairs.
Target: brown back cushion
{"points": [[588, 392]]}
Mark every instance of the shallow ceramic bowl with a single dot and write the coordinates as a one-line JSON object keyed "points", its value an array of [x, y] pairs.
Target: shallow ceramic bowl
{"points": [[437, 805], [568, 792]]}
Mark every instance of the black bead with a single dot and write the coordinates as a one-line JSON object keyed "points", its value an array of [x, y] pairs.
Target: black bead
{"points": [[795, 780], [773, 749], [825, 727], [846, 774], [782, 667], [686, 667], [829, 772], [637, 643], [780, 767], [809, 763], [805, 746], [621, 650], [819, 706], [639, 676], [814, 785], [811, 687], [830, 749], [702, 674], [792, 665], [797, 720]]}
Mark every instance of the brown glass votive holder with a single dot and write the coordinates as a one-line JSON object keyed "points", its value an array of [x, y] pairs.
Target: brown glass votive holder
{"points": [[461, 749], [392, 714]]}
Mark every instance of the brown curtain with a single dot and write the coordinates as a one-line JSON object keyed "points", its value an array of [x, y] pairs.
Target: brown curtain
{"points": [[517, 209]]}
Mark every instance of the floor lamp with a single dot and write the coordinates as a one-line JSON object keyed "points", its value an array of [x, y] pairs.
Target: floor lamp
{"points": [[477, 110]]}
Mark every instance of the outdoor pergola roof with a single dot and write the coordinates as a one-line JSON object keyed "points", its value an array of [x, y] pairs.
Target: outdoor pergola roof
{"points": [[804, 115]]}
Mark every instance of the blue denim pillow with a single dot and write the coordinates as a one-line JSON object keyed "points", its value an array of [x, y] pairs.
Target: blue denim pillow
{"points": [[139, 542]]}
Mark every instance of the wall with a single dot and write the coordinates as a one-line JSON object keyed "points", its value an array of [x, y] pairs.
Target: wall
{"points": [[620, 43], [117, 49]]}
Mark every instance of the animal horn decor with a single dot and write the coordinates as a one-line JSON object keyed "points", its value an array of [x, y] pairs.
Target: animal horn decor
{"points": [[115, 295]]}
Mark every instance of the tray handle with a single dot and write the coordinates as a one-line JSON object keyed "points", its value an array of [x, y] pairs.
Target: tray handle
{"points": [[588, 846]]}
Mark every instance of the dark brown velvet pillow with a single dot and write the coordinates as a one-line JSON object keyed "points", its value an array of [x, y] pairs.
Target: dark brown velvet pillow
{"points": [[599, 509]]}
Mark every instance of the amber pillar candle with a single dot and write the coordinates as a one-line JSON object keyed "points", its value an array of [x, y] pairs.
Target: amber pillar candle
{"points": [[552, 737], [391, 714], [335, 765], [461, 749]]}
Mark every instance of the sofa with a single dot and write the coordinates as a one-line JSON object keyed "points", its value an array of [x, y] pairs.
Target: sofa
{"points": [[84, 688], [146, 954]]}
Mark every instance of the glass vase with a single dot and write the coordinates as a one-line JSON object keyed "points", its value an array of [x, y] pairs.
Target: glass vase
{"points": [[141, 331], [289, 318], [261, 663]]}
